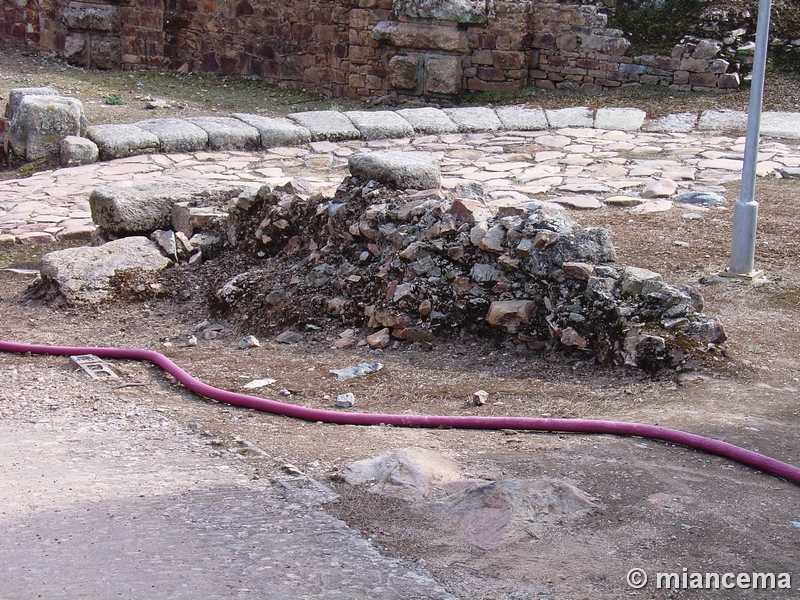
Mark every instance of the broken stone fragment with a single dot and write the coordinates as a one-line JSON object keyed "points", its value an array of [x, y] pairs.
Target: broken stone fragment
{"points": [[570, 337], [480, 397], [379, 339], [508, 315], [289, 337], [661, 188], [578, 270], [345, 400], [248, 341], [634, 279], [166, 239]]}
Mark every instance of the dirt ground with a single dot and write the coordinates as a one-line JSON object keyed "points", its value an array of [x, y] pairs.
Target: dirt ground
{"points": [[661, 508]]}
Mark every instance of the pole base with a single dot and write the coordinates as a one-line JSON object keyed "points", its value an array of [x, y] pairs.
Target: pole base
{"points": [[744, 276]]}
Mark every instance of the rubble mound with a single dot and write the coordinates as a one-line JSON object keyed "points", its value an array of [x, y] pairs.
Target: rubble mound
{"points": [[423, 264]]}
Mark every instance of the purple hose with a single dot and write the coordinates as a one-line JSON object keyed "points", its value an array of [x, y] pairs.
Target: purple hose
{"points": [[742, 455]]}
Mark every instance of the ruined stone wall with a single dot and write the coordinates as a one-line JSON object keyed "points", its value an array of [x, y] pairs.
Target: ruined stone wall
{"points": [[363, 48], [576, 50], [101, 34]]}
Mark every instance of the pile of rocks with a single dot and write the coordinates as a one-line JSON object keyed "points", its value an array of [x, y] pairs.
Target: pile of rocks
{"points": [[411, 265], [416, 264]]}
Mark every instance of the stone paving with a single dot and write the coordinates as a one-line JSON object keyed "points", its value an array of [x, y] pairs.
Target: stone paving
{"points": [[572, 167]]}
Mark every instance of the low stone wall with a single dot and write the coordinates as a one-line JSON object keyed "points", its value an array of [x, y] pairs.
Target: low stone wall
{"points": [[364, 48], [576, 50]]}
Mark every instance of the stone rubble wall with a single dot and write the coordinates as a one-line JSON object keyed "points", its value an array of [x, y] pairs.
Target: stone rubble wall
{"points": [[364, 49], [576, 50]]}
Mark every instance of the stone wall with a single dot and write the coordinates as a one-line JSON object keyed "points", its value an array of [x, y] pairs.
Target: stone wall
{"points": [[576, 50], [363, 48]]}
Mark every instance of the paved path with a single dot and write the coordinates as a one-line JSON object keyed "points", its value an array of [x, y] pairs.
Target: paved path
{"points": [[545, 165]]}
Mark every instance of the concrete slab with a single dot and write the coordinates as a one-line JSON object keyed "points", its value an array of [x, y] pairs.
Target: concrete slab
{"points": [[176, 135], [276, 131], [119, 141], [327, 125], [380, 125], [226, 133]]}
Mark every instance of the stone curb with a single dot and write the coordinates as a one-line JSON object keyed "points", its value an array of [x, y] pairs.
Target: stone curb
{"points": [[120, 141]]}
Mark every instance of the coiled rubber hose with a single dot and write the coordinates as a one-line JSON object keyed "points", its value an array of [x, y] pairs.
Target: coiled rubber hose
{"points": [[742, 455]]}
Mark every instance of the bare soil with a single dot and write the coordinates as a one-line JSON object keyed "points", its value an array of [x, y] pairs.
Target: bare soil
{"points": [[660, 507]]}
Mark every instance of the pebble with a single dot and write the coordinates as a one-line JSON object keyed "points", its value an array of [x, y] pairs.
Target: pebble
{"points": [[249, 341], [345, 400], [480, 397], [289, 337]]}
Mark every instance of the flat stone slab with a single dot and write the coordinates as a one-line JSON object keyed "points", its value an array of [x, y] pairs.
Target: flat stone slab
{"points": [[176, 135], [474, 119], [652, 206], [276, 131], [402, 170], [428, 120], [709, 198], [82, 275], [723, 120], [517, 118], [780, 124], [674, 123], [119, 141], [619, 119], [380, 125], [226, 133], [624, 201], [578, 116], [327, 125], [578, 202]]}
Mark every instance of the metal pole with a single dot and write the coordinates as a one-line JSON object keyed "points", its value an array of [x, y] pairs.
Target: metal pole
{"points": [[745, 212]]}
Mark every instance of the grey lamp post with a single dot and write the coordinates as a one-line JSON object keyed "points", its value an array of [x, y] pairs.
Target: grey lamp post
{"points": [[745, 212]]}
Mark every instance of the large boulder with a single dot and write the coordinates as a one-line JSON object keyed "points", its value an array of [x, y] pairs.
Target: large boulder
{"points": [[41, 122], [83, 275], [401, 170], [141, 209]]}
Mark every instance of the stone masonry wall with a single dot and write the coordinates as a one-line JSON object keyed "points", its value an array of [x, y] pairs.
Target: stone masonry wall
{"points": [[363, 48], [576, 50]]}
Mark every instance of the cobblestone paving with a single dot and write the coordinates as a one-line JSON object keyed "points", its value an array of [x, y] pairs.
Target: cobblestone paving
{"points": [[544, 166]]}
